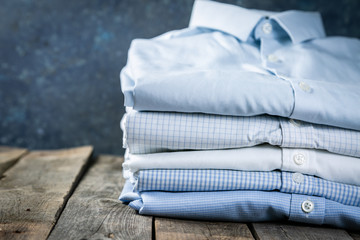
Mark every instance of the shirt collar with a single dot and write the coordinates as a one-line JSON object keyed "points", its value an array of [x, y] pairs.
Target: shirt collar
{"points": [[240, 22]]}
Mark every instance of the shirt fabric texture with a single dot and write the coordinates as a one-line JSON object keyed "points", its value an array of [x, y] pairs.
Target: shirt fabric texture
{"points": [[242, 206], [149, 132], [244, 63], [205, 180], [333, 167]]}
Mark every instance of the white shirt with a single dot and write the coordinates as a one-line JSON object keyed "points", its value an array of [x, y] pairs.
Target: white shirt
{"points": [[333, 167]]}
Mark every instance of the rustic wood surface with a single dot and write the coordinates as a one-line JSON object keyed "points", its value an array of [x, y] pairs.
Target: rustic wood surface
{"points": [[9, 156], [36, 186], [355, 235], [34, 190], [94, 211], [274, 231], [182, 229]]}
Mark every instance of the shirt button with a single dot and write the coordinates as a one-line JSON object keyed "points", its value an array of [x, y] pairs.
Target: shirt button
{"points": [[304, 86], [299, 159], [307, 206], [272, 58], [298, 178], [267, 28], [295, 122]]}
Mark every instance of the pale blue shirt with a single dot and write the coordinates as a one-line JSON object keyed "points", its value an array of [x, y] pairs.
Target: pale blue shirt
{"points": [[240, 62], [209, 180]]}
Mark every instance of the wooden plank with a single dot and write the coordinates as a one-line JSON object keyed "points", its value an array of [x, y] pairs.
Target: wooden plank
{"points": [[94, 211], [9, 156], [355, 235], [33, 192], [264, 231], [182, 229]]}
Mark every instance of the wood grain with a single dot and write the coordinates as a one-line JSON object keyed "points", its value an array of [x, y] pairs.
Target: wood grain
{"points": [[34, 191], [94, 211], [183, 229], [265, 231], [9, 156]]}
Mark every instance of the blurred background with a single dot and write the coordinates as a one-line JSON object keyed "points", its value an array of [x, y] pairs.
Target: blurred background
{"points": [[60, 62]]}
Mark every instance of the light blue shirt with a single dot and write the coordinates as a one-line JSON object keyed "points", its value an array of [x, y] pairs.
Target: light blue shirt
{"points": [[234, 61], [208, 180], [243, 206]]}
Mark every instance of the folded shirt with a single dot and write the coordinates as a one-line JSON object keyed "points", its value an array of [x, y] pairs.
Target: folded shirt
{"points": [[247, 62], [149, 132], [243, 206], [205, 180], [333, 167]]}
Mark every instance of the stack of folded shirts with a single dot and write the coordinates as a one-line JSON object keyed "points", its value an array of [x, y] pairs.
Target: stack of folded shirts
{"points": [[246, 115]]}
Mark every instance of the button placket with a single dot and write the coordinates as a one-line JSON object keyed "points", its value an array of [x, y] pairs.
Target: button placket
{"points": [[298, 160], [308, 209]]}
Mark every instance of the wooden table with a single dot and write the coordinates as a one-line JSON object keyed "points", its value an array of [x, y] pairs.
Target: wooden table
{"points": [[70, 194]]}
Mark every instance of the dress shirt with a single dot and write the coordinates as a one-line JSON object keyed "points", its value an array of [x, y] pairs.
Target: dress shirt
{"points": [[243, 206], [333, 167], [149, 132], [205, 180], [247, 62]]}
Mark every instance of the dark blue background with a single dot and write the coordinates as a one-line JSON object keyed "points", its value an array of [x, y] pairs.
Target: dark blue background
{"points": [[60, 61]]}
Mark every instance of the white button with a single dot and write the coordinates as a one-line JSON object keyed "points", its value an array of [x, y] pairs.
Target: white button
{"points": [[299, 159], [272, 58], [267, 28], [295, 122], [307, 206], [304, 86], [298, 178]]}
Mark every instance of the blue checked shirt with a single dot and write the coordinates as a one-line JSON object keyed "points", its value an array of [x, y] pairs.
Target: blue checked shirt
{"points": [[240, 62], [150, 132], [243, 206], [195, 180]]}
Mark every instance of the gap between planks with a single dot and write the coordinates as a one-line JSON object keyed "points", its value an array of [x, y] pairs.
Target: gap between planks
{"points": [[35, 189], [94, 211]]}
